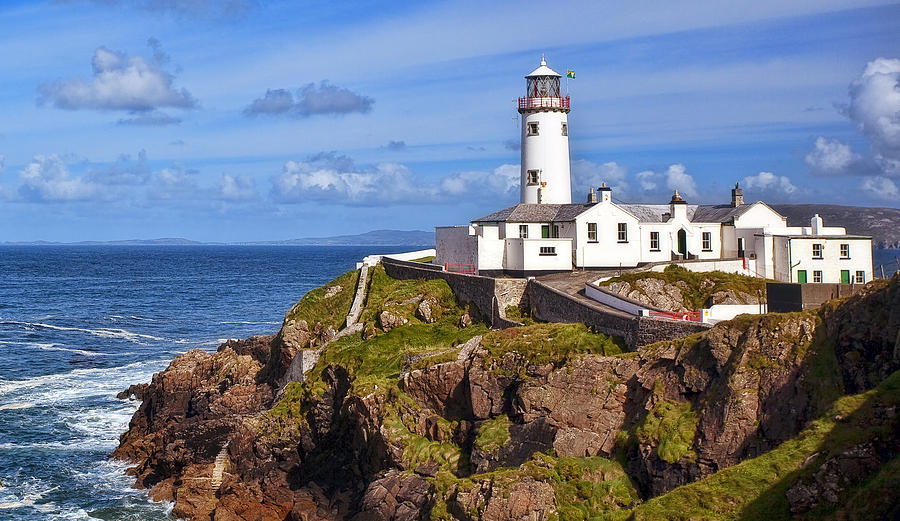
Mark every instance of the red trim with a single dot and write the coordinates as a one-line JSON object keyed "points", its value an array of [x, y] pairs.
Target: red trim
{"points": [[691, 316], [460, 268]]}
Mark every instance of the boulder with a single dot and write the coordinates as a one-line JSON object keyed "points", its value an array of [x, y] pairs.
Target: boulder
{"points": [[428, 310], [465, 321], [388, 320]]}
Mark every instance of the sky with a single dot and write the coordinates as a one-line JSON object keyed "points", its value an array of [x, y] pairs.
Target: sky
{"points": [[243, 120]]}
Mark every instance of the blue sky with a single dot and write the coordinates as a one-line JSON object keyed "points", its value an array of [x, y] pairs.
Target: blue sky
{"points": [[237, 120]]}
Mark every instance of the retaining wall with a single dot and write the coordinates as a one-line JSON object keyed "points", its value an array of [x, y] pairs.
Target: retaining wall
{"points": [[783, 296], [490, 296]]}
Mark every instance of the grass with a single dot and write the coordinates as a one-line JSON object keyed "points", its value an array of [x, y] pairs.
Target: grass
{"points": [[332, 311], [755, 488], [550, 343], [697, 292], [493, 434], [386, 293], [585, 488], [424, 259], [671, 427], [378, 361]]}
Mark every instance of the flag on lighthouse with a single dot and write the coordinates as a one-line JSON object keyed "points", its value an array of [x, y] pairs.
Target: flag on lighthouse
{"points": [[570, 74]]}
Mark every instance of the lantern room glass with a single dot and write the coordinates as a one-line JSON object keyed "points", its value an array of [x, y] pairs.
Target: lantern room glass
{"points": [[542, 87]]}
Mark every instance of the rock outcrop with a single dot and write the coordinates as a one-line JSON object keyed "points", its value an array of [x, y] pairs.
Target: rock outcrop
{"points": [[437, 438]]}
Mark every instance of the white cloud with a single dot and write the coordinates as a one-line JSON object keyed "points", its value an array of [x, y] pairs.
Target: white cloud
{"points": [[120, 82], [875, 105], [310, 100], [504, 179], [647, 180], [830, 156], [677, 178], [237, 188], [47, 178], [586, 174], [334, 178], [769, 182], [192, 8], [881, 188], [875, 108], [176, 183]]}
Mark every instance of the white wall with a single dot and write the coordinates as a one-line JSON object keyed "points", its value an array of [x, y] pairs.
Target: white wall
{"points": [[831, 263], [591, 291], [721, 312], [726, 266], [527, 254], [548, 152], [490, 247], [607, 251]]}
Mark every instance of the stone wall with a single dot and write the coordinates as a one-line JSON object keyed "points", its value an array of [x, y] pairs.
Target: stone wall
{"points": [[491, 296], [480, 291], [552, 305], [651, 330]]}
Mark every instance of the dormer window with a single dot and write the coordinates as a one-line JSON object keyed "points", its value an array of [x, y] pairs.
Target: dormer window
{"points": [[533, 128]]}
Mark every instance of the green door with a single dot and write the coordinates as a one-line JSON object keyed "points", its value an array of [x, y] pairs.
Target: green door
{"points": [[845, 276], [545, 231], [801, 276]]}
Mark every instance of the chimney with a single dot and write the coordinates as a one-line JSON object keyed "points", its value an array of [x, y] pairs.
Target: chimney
{"points": [[737, 196], [816, 224], [605, 193], [592, 197], [678, 207]]}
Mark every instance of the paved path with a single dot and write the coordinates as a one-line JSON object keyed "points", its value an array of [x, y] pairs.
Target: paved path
{"points": [[572, 284]]}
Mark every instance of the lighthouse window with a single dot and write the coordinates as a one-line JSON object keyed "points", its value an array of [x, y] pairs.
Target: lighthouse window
{"points": [[565, 129], [533, 129], [533, 176]]}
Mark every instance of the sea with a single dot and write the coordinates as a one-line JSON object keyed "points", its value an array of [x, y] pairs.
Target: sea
{"points": [[78, 324]]}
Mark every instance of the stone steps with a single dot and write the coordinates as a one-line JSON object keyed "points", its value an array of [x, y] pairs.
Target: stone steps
{"points": [[218, 473]]}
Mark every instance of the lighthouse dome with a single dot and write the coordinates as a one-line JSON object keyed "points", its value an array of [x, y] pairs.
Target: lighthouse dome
{"points": [[543, 70]]}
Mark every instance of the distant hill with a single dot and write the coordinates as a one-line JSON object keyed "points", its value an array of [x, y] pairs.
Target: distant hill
{"points": [[883, 224], [372, 238]]}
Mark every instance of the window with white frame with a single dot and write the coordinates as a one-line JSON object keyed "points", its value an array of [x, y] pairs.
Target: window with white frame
{"points": [[523, 231], [533, 128], [707, 241], [548, 250], [817, 250], [534, 176], [654, 241], [623, 232], [592, 232], [845, 251], [817, 276], [860, 277]]}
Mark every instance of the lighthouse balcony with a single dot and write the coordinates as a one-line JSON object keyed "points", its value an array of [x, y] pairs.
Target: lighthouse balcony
{"points": [[544, 102]]}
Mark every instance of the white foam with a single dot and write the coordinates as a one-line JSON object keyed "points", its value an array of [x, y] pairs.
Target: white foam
{"points": [[11, 406], [56, 347], [96, 381], [100, 332]]}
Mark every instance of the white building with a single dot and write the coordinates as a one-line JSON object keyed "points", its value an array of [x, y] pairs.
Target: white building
{"points": [[546, 232]]}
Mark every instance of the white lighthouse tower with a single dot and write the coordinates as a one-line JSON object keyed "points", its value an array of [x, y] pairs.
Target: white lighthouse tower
{"points": [[545, 139]]}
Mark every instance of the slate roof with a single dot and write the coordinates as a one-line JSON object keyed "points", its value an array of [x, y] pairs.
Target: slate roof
{"points": [[534, 213], [648, 213]]}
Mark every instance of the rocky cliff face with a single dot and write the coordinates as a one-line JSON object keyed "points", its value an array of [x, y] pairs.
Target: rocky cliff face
{"points": [[431, 420]]}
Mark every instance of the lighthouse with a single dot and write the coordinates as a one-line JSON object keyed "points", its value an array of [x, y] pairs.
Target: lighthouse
{"points": [[545, 139]]}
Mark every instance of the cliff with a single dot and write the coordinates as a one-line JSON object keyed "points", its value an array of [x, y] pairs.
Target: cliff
{"points": [[427, 414]]}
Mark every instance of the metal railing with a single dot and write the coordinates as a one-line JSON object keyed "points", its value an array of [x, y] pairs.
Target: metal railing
{"points": [[546, 102], [468, 269]]}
